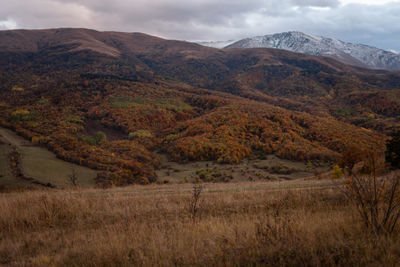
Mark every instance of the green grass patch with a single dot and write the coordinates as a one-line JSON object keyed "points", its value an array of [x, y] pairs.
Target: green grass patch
{"points": [[45, 167], [87, 139], [73, 119], [362, 120], [21, 115], [343, 112], [94, 140], [168, 78], [140, 134], [43, 101], [40, 164]]}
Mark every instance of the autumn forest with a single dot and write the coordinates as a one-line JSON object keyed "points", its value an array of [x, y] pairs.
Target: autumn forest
{"points": [[115, 102]]}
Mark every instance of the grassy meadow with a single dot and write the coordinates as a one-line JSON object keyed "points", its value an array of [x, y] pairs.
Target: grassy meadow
{"points": [[270, 168], [286, 223], [38, 163]]}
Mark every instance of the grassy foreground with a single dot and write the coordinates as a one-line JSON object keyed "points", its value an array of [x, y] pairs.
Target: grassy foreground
{"points": [[255, 223]]}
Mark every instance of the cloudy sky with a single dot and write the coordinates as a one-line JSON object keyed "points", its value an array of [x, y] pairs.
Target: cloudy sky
{"points": [[373, 22]]}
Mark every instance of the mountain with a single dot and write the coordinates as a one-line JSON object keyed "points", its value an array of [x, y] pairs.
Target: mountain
{"points": [[216, 44], [152, 97], [353, 54]]}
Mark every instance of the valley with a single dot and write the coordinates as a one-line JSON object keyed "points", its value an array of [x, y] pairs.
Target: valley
{"points": [[44, 169], [125, 149], [269, 169], [119, 103]]}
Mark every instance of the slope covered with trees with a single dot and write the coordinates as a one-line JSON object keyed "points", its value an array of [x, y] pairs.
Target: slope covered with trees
{"points": [[153, 96]]}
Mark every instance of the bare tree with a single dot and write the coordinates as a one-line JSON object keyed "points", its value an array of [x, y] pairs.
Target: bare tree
{"points": [[194, 202], [74, 178]]}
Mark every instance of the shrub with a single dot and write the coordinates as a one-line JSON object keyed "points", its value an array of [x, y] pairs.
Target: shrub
{"points": [[393, 151], [195, 201], [87, 139], [140, 134], [213, 176], [17, 88], [74, 119], [43, 101], [100, 137], [95, 140], [337, 172], [350, 157], [377, 200], [271, 177], [343, 112], [35, 139], [172, 137], [20, 115], [204, 176], [280, 169]]}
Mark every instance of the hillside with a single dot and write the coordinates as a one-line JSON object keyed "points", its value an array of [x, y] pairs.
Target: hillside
{"points": [[153, 97]]}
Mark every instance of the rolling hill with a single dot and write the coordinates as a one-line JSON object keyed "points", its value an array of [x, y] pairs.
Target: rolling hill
{"points": [[151, 97]]}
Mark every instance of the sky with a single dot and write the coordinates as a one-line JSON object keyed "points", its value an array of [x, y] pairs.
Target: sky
{"points": [[372, 22]]}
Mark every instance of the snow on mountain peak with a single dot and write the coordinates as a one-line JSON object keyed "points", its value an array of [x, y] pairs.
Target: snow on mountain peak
{"points": [[349, 53], [216, 44]]}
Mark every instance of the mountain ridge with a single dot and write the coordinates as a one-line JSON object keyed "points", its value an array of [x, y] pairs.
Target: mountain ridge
{"points": [[348, 53]]}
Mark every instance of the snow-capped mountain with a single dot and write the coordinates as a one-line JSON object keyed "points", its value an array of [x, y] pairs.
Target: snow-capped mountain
{"points": [[216, 44], [353, 54]]}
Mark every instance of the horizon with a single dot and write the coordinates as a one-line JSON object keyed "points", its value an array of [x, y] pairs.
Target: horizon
{"points": [[356, 21], [231, 41]]}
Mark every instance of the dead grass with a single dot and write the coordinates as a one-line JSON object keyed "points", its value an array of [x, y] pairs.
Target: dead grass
{"points": [[242, 225], [247, 169], [40, 164], [45, 167]]}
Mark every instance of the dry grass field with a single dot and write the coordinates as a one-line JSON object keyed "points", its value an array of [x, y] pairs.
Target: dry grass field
{"points": [[246, 170], [288, 223], [38, 163]]}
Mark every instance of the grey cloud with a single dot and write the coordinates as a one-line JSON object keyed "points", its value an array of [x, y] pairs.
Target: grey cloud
{"points": [[214, 20], [317, 3]]}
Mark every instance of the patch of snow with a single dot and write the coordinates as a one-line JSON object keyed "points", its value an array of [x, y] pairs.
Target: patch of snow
{"points": [[216, 44]]}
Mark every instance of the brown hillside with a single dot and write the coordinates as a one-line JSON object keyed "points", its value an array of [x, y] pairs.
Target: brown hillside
{"points": [[186, 100]]}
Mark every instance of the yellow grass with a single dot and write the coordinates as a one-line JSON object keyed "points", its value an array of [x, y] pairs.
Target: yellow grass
{"points": [[238, 224], [40, 164]]}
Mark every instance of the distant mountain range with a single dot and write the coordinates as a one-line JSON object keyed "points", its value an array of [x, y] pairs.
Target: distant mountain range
{"points": [[349, 53]]}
